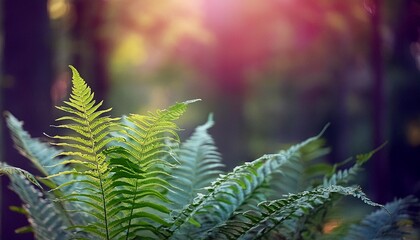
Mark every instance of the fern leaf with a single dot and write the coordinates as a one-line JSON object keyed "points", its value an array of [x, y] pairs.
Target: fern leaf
{"points": [[198, 165], [311, 224], [41, 154], [228, 192], [9, 170], [346, 175], [85, 148], [44, 216], [43, 157], [399, 219], [255, 224], [298, 173], [138, 174]]}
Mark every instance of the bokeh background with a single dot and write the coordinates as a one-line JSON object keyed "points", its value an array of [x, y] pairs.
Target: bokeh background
{"points": [[273, 72]]}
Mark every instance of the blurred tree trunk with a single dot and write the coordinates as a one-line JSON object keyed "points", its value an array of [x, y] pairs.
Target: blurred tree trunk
{"points": [[91, 48], [226, 64], [380, 173], [26, 80], [405, 95]]}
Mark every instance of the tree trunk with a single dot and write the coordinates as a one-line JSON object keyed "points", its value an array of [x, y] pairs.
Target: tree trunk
{"points": [[91, 48], [26, 81], [380, 171]]}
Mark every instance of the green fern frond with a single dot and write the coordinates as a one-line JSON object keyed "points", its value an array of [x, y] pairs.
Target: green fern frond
{"points": [[293, 176], [346, 175], [91, 130], [311, 224], [298, 173], [255, 224], [138, 166], [41, 154], [399, 219], [229, 192], [45, 216], [198, 165], [10, 171]]}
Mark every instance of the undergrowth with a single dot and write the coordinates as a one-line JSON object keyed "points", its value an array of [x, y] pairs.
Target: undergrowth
{"points": [[131, 177]]}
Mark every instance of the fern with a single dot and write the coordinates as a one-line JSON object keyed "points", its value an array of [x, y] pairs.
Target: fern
{"points": [[298, 173], [255, 224], [311, 224], [398, 221], [229, 192], [346, 175], [91, 130], [132, 178], [41, 154], [44, 216], [138, 169], [291, 177], [9, 170], [198, 165]]}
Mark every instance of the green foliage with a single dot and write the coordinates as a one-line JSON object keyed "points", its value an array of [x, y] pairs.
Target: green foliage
{"points": [[198, 166], [9, 170], [132, 177], [45, 216], [398, 221]]}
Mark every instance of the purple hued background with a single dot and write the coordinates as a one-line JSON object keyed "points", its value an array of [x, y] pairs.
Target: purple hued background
{"points": [[273, 72]]}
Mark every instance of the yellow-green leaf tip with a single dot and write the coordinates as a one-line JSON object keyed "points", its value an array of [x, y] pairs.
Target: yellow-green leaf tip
{"points": [[74, 71]]}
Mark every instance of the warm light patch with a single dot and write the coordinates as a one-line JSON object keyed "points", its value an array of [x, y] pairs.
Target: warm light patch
{"points": [[331, 225], [58, 8], [413, 133], [130, 51], [336, 21], [179, 29]]}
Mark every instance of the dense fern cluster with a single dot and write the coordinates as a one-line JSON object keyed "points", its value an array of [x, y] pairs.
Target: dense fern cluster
{"points": [[132, 178]]}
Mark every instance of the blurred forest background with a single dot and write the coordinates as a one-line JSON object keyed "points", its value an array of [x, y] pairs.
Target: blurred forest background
{"points": [[273, 72]]}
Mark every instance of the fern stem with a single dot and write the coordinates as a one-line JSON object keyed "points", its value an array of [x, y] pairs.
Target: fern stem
{"points": [[131, 212], [100, 180], [67, 217], [143, 142], [98, 170], [103, 203]]}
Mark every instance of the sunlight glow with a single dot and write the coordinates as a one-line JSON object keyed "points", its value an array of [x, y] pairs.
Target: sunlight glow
{"points": [[129, 51], [331, 225], [58, 8]]}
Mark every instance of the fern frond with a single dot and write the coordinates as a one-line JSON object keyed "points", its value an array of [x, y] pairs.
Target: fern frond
{"points": [[10, 171], [44, 216], [311, 224], [41, 154], [399, 219], [198, 165], [296, 174], [293, 176], [229, 192], [255, 224], [138, 170], [85, 148], [346, 175]]}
